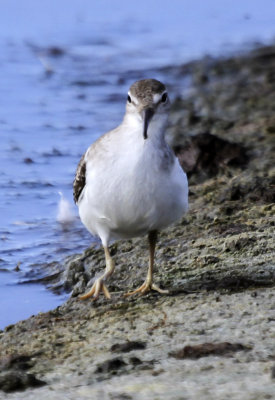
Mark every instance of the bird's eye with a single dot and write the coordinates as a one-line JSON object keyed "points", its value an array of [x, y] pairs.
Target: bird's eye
{"points": [[164, 97], [129, 99]]}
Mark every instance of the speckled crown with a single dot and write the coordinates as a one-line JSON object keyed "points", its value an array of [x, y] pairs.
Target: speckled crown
{"points": [[146, 88]]}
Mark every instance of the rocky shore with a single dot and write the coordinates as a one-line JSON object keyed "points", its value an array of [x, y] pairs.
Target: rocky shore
{"points": [[213, 336]]}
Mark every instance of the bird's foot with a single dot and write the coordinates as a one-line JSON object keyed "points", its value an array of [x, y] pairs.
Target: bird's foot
{"points": [[98, 287], [145, 288]]}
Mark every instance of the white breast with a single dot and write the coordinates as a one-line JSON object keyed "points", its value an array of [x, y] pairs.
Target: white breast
{"points": [[127, 193]]}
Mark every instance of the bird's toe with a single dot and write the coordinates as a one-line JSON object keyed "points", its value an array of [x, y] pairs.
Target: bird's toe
{"points": [[95, 291], [145, 288]]}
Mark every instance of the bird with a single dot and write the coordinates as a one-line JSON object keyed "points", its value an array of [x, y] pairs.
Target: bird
{"points": [[129, 183]]}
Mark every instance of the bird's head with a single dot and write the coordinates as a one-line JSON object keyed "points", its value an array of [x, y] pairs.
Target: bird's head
{"points": [[148, 101]]}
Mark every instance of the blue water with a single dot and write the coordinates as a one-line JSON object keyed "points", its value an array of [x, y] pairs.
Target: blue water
{"points": [[47, 120]]}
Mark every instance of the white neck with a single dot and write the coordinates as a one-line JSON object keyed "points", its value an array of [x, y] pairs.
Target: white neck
{"points": [[156, 130]]}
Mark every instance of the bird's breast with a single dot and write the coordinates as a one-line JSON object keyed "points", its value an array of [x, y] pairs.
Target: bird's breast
{"points": [[137, 186]]}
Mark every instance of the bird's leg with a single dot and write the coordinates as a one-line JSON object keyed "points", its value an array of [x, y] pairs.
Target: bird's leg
{"points": [[148, 284], [99, 285]]}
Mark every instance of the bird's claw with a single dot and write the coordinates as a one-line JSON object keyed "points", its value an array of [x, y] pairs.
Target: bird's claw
{"points": [[98, 287], [145, 288]]}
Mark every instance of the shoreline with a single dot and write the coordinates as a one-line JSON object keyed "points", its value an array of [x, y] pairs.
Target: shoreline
{"points": [[217, 263]]}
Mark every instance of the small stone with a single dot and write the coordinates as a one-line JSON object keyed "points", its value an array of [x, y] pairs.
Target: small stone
{"points": [[28, 160], [111, 365], [207, 349], [128, 346], [135, 361]]}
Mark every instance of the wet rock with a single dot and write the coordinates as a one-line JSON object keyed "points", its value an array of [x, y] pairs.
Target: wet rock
{"points": [[120, 396], [264, 53], [16, 361], [233, 283], [206, 155], [139, 365], [135, 361], [71, 275], [208, 349], [49, 274], [28, 160], [55, 51], [13, 375], [128, 346], [17, 268], [110, 366], [17, 380], [238, 244], [253, 188], [119, 366]]}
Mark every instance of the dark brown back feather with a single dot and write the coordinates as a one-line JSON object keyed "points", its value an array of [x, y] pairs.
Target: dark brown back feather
{"points": [[80, 178]]}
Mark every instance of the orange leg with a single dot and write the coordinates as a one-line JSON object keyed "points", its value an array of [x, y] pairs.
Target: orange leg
{"points": [[99, 285], [148, 284]]}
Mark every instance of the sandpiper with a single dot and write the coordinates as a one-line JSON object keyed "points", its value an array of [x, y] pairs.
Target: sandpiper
{"points": [[129, 182]]}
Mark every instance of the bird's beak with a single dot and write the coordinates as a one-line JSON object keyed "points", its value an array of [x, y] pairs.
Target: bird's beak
{"points": [[147, 116]]}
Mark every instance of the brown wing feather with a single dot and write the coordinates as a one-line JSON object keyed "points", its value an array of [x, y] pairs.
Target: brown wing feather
{"points": [[80, 178]]}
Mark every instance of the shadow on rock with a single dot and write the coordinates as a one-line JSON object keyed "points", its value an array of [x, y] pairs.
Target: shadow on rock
{"points": [[205, 155], [208, 349], [13, 375]]}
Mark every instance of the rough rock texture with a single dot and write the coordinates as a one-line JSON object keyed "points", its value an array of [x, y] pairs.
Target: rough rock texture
{"points": [[213, 336]]}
